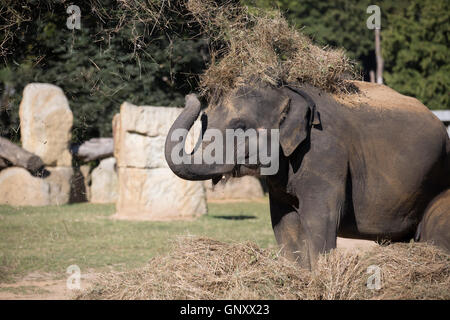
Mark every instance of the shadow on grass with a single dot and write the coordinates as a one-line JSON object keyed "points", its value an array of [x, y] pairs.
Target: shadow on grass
{"points": [[235, 217]]}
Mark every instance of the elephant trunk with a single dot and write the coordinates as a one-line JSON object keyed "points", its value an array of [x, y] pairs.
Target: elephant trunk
{"points": [[187, 169]]}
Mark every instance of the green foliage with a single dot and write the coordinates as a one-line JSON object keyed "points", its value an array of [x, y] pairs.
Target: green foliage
{"points": [[147, 52], [339, 23], [121, 53], [414, 39], [415, 50]]}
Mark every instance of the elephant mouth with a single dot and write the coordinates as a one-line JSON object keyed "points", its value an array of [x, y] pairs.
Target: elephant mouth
{"points": [[238, 171]]}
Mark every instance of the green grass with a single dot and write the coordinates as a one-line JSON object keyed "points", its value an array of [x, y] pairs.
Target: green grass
{"points": [[49, 239]]}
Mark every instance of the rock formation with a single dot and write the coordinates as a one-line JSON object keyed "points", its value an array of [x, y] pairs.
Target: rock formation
{"points": [[46, 124], [104, 183], [148, 190]]}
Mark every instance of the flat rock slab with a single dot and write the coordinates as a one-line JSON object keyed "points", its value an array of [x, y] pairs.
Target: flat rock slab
{"points": [[19, 188], [157, 194]]}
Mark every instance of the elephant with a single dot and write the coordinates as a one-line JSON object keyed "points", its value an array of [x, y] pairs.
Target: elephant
{"points": [[435, 224], [362, 167]]}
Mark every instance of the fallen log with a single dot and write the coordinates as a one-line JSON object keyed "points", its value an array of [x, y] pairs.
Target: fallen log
{"points": [[94, 149], [19, 157], [3, 164]]}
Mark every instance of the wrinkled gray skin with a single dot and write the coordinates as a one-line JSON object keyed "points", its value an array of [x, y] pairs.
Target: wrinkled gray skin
{"points": [[435, 224], [350, 172]]}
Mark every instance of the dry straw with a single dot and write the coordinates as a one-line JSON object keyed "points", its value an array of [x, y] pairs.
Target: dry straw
{"points": [[201, 268], [255, 45]]}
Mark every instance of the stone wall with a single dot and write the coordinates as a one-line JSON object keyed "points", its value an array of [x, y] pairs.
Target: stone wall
{"points": [[104, 183], [148, 190]]}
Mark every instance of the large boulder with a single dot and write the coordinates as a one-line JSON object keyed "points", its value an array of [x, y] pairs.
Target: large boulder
{"points": [[140, 134], [104, 183], [46, 123], [148, 189], [147, 120], [60, 181], [157, 194], [19, 188], [246, 187], [139, 151]]}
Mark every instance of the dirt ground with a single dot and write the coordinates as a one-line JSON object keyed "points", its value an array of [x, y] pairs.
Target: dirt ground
{"points": [[352, 244], [40, 286]]}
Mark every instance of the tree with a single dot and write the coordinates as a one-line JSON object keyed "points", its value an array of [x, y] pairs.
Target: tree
{"points": [[339, 23], [414, 40], [415, 49], [147, 52], [124, 51]]}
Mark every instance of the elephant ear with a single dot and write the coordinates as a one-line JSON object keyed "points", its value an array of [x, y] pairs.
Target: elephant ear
{"points": [[297, 117]]}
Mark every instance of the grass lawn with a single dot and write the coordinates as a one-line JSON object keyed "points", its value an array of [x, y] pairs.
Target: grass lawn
{"points": [[49, 239]]}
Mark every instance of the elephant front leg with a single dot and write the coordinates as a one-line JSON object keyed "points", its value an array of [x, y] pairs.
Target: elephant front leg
{"points": [[311, 229], [290, 233]]}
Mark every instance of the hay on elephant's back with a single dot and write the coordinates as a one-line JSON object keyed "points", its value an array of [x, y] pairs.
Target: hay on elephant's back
{"points": [[201, 268], [262, 46]]}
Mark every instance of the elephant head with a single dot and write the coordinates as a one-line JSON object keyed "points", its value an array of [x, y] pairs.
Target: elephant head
{"points": [[285, 114]]}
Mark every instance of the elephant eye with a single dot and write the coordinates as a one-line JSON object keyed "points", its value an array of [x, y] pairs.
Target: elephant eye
{"points": [[238, 124]]}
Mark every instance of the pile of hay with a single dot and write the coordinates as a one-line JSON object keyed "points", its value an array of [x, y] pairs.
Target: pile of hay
{"points": [[201, 268], [255, 45]]}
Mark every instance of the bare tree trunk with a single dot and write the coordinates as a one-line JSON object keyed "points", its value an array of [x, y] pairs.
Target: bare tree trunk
{"points": [[379, 58], [19, 157], [372, 76], [94, 149]]}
